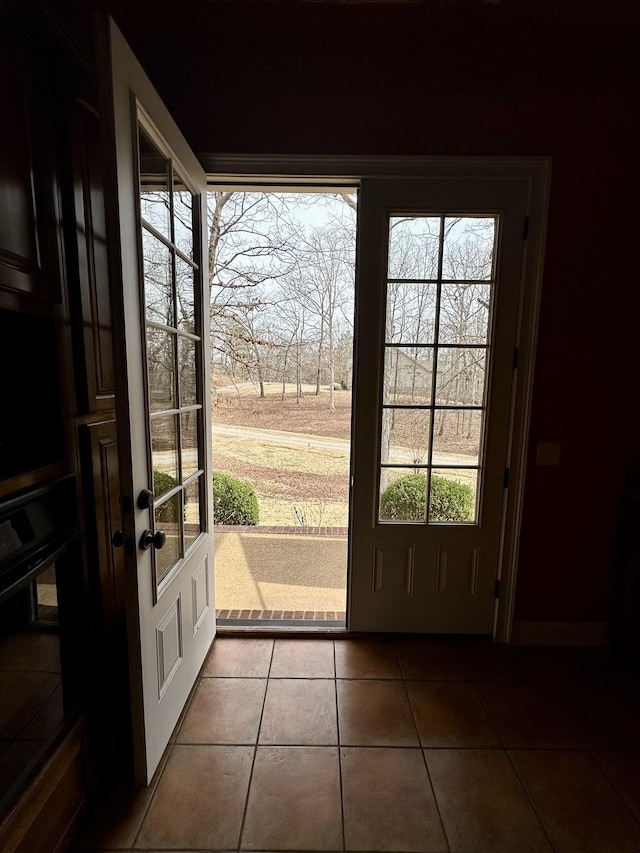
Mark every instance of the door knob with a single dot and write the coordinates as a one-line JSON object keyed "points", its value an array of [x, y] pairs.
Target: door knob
{"points": [[145, 499], [117, 540], [150, 538]]}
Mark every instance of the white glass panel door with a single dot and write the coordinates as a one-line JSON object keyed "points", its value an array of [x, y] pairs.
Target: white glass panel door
{"points": [[438, 287], [156, 204]]}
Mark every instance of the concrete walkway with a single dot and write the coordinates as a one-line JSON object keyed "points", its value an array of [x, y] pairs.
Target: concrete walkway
{"points": [[280, 571]]}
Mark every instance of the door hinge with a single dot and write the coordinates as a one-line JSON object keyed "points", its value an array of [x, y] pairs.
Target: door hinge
{"points": [[525, 230], [516, 355], [505, 479], [496, 589]]}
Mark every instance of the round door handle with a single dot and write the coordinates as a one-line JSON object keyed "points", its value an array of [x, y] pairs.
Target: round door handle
{"points": [[117, 540], [145, 499], [150, 538]]}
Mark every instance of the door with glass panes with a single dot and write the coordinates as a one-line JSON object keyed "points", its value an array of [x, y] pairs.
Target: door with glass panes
{"points": [[439, 282], [158, 268]]}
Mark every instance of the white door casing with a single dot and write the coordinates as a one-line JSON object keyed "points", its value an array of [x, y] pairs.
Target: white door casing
{"points": [[432, 576], [170, 607]]}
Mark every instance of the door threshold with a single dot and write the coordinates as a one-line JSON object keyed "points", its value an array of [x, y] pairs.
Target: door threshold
{"points": [[268, 627]]}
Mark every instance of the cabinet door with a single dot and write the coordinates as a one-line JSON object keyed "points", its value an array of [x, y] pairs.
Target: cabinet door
{"points": [[107, 581], [95, 373], [29, 213]]}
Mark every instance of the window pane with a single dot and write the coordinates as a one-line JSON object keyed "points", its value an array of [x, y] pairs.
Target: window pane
{"points": [[192, 512], [453, 496], [413, 246], [164, 452], [158, 285], [403, 494], [408, 375], [161, 369], [187, 366], [185, 296], [411, 313], [467, 251], [154, 186], [182, 216], [464, 313], [461, 375], [405, 436], [167, 519], [190, 461], [456, 437]]}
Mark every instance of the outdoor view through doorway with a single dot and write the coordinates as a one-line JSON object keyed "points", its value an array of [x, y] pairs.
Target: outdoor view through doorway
{"points": [[281, 273]]}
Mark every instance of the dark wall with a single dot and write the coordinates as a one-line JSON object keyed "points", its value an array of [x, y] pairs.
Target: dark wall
{"points": [[464, 78]]}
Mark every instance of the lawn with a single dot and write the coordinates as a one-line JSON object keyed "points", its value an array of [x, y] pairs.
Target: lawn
{"points": [[287, 478]]}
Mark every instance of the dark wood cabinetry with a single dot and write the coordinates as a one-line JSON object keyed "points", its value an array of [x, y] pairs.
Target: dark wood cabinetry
{"points": [[29, 209], [91, 286], [58, 406]]}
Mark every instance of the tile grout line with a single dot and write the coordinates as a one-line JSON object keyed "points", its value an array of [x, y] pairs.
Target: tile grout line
{"points": [[335, 688], [612, 784], [513, 767], [255, 750], [422, 751]]}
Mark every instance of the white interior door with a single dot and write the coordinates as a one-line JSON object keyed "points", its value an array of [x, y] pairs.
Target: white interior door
{"points": [[440, 267], [159, 281]]}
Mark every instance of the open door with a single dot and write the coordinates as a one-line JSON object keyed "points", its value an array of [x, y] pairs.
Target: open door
{"points": [[440, 278], [156, 208]]}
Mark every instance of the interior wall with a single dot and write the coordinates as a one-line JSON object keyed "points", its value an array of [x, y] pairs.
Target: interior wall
{"points": [[464, 78]]}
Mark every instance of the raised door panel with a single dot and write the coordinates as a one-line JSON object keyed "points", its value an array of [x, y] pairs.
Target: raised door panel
{"points": [[29, 210], [107, 579], [95, 388]]}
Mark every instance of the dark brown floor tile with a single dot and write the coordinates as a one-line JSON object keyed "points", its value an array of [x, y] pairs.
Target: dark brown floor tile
{"points": [[366, 659], [607, 714], [300, 711], [200, 799], [531, 716], [622, 769], [436, 659], [224, 711], [482, 804], [449, 713], [388, 801], [303, 659], [577, 805], [375, 713], [294, 801], [486, 661], [231, 657], [113, 819]]}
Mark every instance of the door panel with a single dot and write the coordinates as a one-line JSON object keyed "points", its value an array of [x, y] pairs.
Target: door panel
{"points": [[439, 278], [158, 263]]}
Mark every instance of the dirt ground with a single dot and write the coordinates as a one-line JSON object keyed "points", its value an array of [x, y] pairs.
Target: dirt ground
{"points": [[293, 484], [309, 414], [295, 480]]}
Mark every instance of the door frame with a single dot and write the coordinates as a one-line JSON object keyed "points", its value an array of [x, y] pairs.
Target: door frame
{"points": [[277, 171]]}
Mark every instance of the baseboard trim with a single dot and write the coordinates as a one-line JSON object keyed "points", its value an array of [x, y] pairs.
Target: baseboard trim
{"points": [[560, 633]]}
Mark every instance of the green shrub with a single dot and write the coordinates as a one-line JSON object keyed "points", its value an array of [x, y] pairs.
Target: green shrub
{"points": [[405, 499], [234, 501], [162, 483], [450, 501]]}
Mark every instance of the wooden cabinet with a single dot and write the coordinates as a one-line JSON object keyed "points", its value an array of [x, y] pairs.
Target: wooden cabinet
{"points": [[107, 580], [29, 210], [94, 380], [54, 291]]}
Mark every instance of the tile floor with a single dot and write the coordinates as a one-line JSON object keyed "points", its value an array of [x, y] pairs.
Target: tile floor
{"points": [[392, 744]]}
